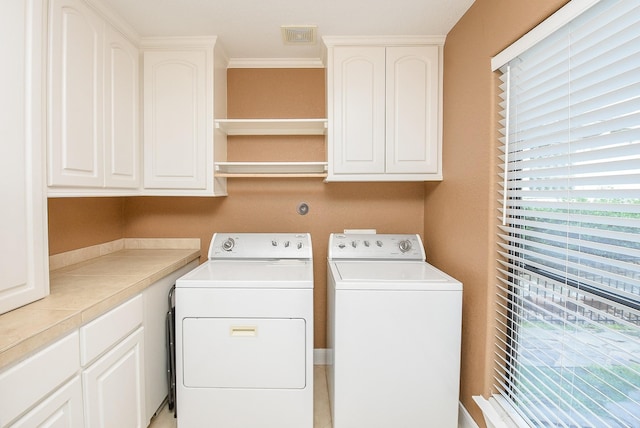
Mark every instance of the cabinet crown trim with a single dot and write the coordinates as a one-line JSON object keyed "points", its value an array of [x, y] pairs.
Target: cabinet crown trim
{"points": [[276, 63], [182, 42], [330, 41]]}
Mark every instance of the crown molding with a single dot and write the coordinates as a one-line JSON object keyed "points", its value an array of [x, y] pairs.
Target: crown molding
{"points": [[276, 63]]}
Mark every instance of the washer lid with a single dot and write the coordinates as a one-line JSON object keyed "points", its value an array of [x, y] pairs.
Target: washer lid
{"points": [[391, 275], [250, 274]]}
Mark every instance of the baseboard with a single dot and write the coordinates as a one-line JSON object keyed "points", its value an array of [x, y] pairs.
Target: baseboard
{"points": [[464, 418], [320, 356]]}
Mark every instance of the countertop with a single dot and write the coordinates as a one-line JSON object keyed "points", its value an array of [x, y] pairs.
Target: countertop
{"points": [[87, 283]]}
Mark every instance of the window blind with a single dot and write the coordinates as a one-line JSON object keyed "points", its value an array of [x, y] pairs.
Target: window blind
{"points": [[568, 314]]}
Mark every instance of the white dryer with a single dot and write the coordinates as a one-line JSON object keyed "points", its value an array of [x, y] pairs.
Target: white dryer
{"points": [[394, 325], [244, 334]]}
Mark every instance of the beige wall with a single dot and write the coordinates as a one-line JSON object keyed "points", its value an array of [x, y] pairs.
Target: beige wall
{"points": [[460, 212], [82, 222]]}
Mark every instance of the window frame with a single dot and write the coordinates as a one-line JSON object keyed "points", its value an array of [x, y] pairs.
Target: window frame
{"points": [[508, 311]]}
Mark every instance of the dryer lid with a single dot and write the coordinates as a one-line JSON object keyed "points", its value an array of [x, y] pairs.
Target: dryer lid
{"points": [[250, 274]]}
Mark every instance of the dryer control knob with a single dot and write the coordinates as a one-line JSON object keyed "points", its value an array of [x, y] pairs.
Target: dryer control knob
{"points": [[404, 245], [228, 244]]}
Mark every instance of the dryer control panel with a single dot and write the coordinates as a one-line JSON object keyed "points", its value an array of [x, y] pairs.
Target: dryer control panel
{"points": [[259, 246], [376, 246]]}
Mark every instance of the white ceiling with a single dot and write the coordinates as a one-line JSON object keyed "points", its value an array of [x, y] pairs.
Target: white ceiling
{"points": [[250, 29]]}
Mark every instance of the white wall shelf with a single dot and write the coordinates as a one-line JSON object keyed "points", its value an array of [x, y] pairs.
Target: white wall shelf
{"points": [[254, 127], [271, 169], [272, 126]]}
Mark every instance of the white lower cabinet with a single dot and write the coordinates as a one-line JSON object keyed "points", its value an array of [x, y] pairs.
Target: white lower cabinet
{"points": [[112, 357], [114, 386], [63, 409], [96, 376], [31, 390]]}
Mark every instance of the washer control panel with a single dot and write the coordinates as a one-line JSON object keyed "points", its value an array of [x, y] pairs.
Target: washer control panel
{"points": [[376, 246], [260, 246]]}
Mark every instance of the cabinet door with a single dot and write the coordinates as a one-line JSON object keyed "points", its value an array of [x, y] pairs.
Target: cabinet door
{"points": [[114, 386], [63, 409], [175, 119], [23, 221], [75, 95], [121, 143], [359, 110], [35, 377], [412, 95]]}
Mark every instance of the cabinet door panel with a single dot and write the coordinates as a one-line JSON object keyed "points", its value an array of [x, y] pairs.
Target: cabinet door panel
{"points": [[63, 409], [359, 110], [412, 109], [114, 386], [174, 120], [121, 148], [35, 371], [23, 222], [101, 333], [76, 103]]}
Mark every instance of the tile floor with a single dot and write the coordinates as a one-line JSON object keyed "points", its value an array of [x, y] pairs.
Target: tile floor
{"points": [[321, 411]]}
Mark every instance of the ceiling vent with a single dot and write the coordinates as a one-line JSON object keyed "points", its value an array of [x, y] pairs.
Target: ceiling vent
{"points": [[299, 34]]}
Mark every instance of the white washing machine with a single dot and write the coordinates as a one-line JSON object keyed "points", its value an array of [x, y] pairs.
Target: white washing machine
{"points": [[244, 334], [394, 324]]}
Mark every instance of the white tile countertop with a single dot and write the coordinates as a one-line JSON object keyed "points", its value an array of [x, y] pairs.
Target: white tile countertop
{"points": [[86, 283]]}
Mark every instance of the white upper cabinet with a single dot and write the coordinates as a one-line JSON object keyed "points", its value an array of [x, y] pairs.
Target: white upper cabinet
{"points": [[93, 103], [356, 125], [180, 103], [121, 124], [23, 220], [95, 144], [384, 103], [75, 95], [412, 110], [175, 119]]}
